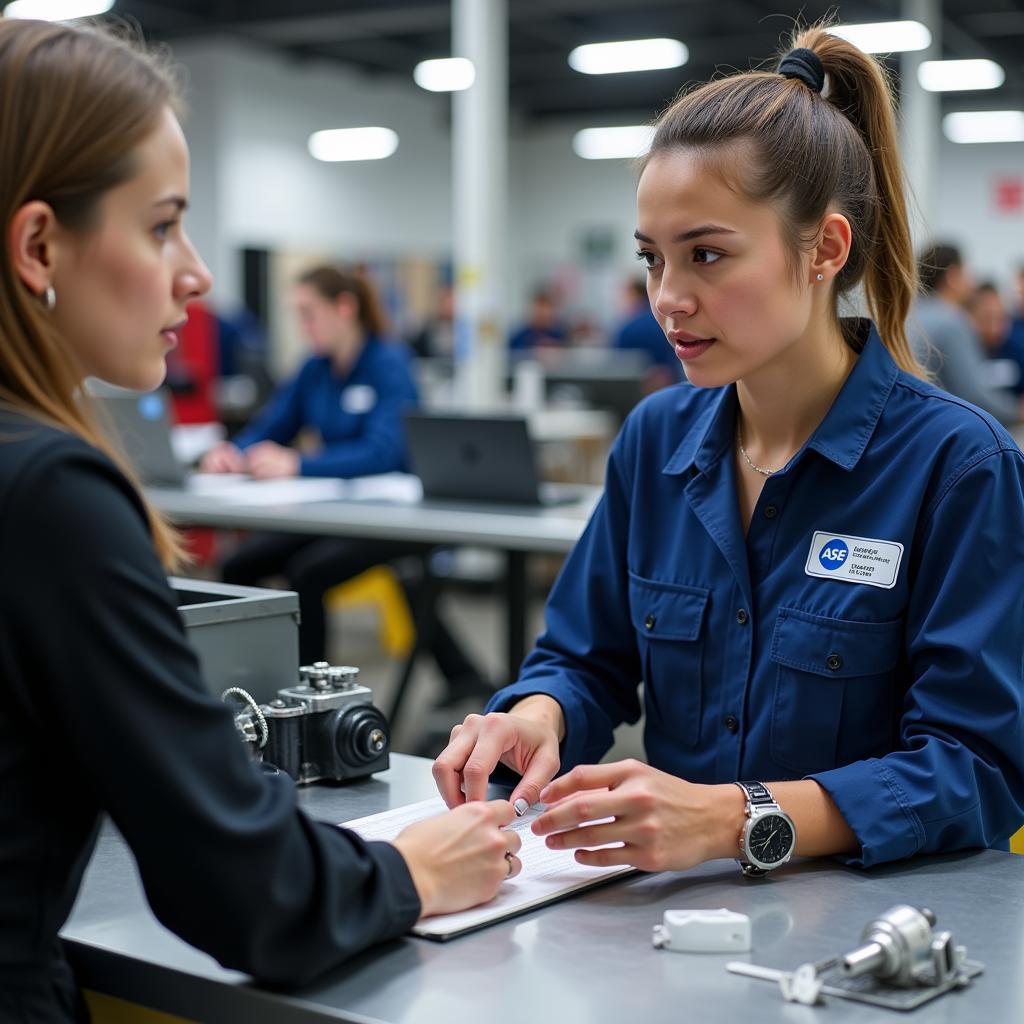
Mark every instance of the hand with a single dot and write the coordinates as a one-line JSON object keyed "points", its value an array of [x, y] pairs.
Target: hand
{"points": [[457, 860], [223, 458], [525, 744], [663, 823], [270, 461]]}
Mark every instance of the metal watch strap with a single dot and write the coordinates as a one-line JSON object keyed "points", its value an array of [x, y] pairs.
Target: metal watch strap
{"points": [[757, 793]]}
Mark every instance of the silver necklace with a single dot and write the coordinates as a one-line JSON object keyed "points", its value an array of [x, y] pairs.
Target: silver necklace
{"points": [[746, 457]]}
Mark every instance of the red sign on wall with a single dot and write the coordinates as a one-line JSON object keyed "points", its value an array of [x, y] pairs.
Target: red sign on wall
{"points": [[1009, 194]]}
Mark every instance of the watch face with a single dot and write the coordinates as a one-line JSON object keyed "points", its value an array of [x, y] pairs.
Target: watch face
{"points": [[771, 839]]}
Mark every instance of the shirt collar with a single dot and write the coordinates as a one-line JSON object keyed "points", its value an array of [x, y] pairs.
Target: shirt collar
{"points": [[841, 437]]}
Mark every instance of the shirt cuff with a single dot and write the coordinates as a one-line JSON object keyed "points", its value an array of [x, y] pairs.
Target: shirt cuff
{"points": [[571, 751], [869, 796], [401, 897]]}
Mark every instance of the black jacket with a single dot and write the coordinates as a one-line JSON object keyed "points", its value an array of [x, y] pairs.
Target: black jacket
{"points": [[102, 709]]}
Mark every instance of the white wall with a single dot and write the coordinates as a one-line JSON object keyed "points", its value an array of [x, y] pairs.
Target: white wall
{"points": [[992, 240]]}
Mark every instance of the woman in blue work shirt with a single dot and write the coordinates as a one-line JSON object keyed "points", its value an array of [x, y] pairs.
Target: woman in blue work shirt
{"points": [[812, 558], [351, 394]]}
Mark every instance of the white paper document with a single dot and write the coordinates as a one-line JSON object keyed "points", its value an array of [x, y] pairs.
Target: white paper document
{"points": [[547, 875], [238, 489]]}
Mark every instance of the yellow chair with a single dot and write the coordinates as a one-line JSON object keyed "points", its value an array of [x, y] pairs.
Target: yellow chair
{"points": [[379, 588], [1017, 842], [108, 1010]]}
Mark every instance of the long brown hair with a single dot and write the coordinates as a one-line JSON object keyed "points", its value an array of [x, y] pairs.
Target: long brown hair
{"points": [[812, 153], [74, 104], [330, 282]]}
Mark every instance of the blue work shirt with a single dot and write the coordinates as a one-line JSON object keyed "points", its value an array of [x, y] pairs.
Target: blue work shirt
{"points": [[902, 701], [643, 333], [358, 415]]}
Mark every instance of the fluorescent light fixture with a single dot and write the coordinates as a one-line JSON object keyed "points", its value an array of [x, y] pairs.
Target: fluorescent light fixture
{"points": [[960, 75], [886, 36], [984, 126], [353, 144], [623, 143], [628, 55], [57, 10], [447, 74]]}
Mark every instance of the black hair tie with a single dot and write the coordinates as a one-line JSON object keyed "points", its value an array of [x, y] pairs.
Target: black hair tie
{"points": [[805, 65]]}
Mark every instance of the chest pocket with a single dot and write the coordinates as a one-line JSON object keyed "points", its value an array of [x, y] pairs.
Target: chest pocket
{"points": [[834, 689], [668, 619]]}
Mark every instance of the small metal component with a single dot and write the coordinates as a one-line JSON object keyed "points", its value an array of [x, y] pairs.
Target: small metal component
{"points": [[901, 964], [250, 723]]}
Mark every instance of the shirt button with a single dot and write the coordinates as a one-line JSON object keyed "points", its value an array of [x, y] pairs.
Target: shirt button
{"points": [[742, 617], [834, 662], [771, 511], [649, 622], [732, 723]]}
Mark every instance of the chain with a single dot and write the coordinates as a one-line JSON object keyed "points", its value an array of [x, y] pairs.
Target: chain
{"points": [[743, 452]]}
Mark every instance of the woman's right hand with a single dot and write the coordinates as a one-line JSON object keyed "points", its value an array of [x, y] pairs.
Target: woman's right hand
{"points": [[526, 739], [458, 860], [223, 458]]}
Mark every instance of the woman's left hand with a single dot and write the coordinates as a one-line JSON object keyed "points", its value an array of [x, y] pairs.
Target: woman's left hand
{"points": [[663, 823]]}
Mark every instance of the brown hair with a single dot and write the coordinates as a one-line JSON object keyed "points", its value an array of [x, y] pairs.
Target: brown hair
{"points": [[331, 282], [814, 153], [74, 104], [933, 264]]}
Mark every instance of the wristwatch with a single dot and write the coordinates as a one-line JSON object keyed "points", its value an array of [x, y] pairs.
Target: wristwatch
{"points": [[769, 835]]}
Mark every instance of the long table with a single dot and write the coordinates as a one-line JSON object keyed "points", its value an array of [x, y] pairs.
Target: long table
{"points": [[586, 960], [515, 531]]}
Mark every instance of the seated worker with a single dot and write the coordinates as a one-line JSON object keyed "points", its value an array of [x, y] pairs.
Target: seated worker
{"points": [[543, 328], [641, 332], [944, 339], [992, 323], [351, 392], [812, 558], [114, 719]]}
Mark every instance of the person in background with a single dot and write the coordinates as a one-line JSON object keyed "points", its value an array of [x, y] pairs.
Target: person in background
{"points": [[436, 338], [350, 394], [543, 327], [944, 339], [812, 558], [992, 323], [1017, 316], [113, 716], [641, 332]]}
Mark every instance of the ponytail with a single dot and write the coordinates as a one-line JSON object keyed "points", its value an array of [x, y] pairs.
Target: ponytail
{"points": [[331, 282], [847, 134]]}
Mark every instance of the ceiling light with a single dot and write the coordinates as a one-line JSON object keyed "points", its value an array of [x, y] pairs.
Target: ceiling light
{"points": [[353, 144], [624, 143], [57, 10], [984, 126], [448, 74], [629, 55], [959, 75], [886, 36]]}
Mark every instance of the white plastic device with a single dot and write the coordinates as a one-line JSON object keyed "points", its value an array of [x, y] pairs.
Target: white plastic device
{"points": [[703, 931]]}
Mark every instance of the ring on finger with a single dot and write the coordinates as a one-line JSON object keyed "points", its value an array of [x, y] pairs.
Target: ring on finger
{"points": [[510, 858]]}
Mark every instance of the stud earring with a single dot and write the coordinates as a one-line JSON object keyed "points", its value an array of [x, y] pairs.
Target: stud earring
{"points": [[821, 277], [50, 298]]}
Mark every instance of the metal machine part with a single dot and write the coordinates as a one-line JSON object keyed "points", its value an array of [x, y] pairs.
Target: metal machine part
{"points": [[324, 728], [900, 964]]}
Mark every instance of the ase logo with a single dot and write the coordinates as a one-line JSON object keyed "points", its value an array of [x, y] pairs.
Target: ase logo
{"points": [[833, 554]]}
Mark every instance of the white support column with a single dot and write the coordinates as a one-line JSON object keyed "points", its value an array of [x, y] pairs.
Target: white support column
{"points": [[480, 182], [920, 136]]}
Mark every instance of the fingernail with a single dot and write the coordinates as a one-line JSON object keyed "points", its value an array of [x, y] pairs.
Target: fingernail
{"points": [[521, 806]]}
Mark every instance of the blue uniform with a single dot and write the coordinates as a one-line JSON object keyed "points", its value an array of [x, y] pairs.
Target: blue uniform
{"points": [[358, 416], [890, 672]]}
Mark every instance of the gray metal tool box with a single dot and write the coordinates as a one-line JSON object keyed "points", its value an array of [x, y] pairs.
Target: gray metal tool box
{"points": [[245, 636]]}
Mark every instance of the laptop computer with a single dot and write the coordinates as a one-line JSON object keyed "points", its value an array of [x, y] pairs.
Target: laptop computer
{"points": [[141, 425], [488, 459]]}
